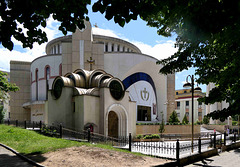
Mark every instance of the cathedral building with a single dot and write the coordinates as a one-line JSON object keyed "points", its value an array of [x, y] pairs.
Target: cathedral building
{"points": [[87, 80]]}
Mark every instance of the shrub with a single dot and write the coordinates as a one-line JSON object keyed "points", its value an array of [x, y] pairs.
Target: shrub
{"points": [[206, 119], [173, 117], [185, 120], [234, 123], [153, 136], [139, 136]]}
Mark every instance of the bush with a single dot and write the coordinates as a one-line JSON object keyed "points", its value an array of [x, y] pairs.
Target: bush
{"points": [[234, 123], [185, 120], [153, 136], [206, 119], [139, 136], [173, 117]]}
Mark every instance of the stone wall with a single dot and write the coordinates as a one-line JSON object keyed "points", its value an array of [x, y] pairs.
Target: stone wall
{"points": [[169, 129]]}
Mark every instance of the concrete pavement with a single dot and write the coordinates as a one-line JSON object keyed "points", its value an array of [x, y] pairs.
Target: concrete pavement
{"points": [[224, 159], [9, 159]]}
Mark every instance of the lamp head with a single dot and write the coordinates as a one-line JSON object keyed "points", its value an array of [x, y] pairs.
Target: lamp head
{"points": [[187, 85], [198, 89]]}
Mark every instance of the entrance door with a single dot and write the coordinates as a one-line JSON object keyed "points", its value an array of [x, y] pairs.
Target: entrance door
{"points": [[112, 124]]}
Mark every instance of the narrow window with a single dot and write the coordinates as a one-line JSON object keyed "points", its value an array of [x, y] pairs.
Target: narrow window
{"points": [[187, 104], [118, 48], [36, 78], [106, 47], [47, 75], [112, 47], [178, 105]]}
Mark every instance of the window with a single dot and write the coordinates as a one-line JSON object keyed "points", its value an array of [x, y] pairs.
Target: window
{"points": [[106, 47], [199, 114], [55, 50], [187, 114], [124, 49], [187, 104], [127, 49], [185, 91], [178, 105], [143, 113], [47, 76], [176, 93], [118, 48], [36, 78], [112, 47]]}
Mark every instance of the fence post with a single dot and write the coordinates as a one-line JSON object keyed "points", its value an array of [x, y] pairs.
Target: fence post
{"points": [[130, 142], [60, 129], [8, 122], [177, 151], [89, 135], [16, 123], [40, 125], [214, 140], [225, 138], [234, 138], [199, 145], [25, 124], [33, 125]]}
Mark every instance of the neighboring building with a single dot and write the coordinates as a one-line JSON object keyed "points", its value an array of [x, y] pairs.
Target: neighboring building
{"points": [[86, 79], [216, 106], [183, 104], [5, 103]]}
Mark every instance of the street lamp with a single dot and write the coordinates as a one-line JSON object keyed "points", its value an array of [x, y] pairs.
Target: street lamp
{"points": [[191, 85]]}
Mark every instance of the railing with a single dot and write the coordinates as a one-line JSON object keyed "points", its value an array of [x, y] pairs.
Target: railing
{"points": [[167, 149]]}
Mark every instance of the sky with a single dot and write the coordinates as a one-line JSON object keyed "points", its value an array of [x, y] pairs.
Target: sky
{"points": [[136, 32]]}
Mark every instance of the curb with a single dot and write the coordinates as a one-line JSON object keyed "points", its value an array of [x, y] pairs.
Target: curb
{"points": [[22, 156]]}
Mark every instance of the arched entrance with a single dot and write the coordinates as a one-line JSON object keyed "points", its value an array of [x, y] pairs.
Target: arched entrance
{"points": [[112, 124], [116, 121]]}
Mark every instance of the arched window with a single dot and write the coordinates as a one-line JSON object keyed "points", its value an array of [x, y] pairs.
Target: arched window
{"points": [[47, 76], [106, 47], [112, 47], [36, 78]]}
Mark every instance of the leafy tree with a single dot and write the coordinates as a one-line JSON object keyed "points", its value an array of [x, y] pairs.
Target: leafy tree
{"points": [[33, 15], [206, 119], [6, 86], [173, 117], [185, 120], [207, 38], [207, 34], [2, 113]]}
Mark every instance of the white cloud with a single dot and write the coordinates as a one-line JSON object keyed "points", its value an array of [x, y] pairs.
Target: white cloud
{"points": [[161, 50], [28, 54]]}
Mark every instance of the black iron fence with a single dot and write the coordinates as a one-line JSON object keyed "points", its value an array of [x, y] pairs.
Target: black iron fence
{"points": [[165, 149]]}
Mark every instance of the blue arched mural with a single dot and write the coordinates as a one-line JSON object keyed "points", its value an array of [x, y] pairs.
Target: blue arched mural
{"points": [[139, 76]]}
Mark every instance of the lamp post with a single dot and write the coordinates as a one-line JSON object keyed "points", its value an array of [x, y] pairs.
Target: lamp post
{"points": [[191, 85]]}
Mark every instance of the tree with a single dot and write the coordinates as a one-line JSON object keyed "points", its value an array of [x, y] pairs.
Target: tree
{"points": [[33, 15], [207, 34], [2, 113], [173, 118], [207, 38], [185, 120], [6, 86], [206, 119]]}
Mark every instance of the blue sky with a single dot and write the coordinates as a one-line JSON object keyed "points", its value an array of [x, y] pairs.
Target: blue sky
{"points": [[136, 32]]}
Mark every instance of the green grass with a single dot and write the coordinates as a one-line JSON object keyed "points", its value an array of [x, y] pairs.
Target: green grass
{"points": [[30, 142]]}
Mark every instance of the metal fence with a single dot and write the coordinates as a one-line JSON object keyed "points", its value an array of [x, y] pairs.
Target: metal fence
{"points": [[167, 149]]}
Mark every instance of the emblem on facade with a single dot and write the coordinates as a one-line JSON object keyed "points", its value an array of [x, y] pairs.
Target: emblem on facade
{"points": [[145, 94]]}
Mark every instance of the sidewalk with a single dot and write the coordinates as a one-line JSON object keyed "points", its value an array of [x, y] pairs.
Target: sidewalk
{"points": [[9, 159], [224, 159]]}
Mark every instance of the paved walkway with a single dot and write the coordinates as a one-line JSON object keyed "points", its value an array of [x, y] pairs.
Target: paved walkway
{"points": [[224, 159], [9, 159]]}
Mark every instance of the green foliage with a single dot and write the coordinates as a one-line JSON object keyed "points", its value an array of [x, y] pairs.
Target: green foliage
{"points": [[206, 119], [2, 113], [161, 127], [139, 136], [6, 86], [234, 123], [199, 122], [34, 17], [207, 38], [185, 120], [174, 118], [153, 136]]}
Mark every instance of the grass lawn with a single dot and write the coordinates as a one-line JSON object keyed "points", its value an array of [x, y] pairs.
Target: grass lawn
{"points": [[30, 142]]}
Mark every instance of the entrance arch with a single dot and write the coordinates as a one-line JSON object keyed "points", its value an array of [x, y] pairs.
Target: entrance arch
{"points": [[116, 115], [112, 124]]}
